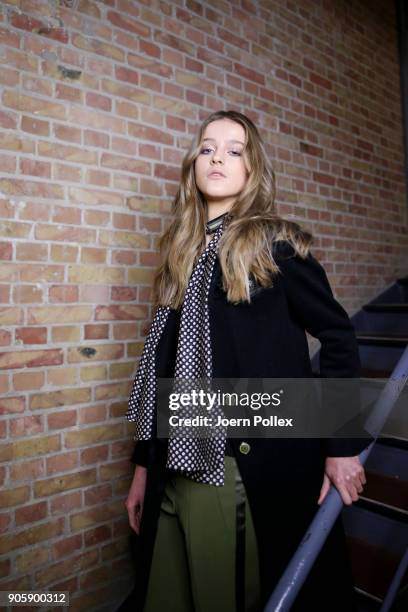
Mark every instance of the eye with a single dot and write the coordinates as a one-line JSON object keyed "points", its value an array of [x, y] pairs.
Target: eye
{"points": [[238, 153], [203, 150]]}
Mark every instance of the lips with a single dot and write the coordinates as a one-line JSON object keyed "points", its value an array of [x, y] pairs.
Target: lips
{"points": [[217, 174]]}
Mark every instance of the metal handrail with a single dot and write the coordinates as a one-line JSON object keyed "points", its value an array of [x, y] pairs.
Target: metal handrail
{"points": [[302, 561], [393, 589]]}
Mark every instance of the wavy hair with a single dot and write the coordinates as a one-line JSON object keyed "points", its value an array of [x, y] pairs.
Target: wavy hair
{"points": [[252, 225]]}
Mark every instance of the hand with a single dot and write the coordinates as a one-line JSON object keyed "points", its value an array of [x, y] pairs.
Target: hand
{"points": [[347, 475], [135, 499]]}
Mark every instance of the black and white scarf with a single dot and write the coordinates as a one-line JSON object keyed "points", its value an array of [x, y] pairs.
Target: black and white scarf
{"points": [[198, 458]]}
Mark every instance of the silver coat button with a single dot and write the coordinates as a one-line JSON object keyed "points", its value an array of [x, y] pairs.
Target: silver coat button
{"points": [[244, 448]]}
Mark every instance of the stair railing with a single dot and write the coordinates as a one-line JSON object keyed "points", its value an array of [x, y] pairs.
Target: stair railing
{"points": [[302, 561], [393, 588]]}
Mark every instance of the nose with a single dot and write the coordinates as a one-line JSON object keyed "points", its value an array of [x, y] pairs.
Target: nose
{"points": [[217, 157]]}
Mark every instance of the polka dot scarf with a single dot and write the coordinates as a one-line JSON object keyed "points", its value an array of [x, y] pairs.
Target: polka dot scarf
{"points": [[198, 458]]}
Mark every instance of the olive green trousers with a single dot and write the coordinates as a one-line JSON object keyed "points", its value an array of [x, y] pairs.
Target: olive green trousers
{"points": [[205, 554]]}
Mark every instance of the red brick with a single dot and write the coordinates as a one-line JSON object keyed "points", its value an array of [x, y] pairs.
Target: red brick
{"points": [[23, 470], [119, 312], [31, 513], [125, 331], [8, 120], [24, 22], [60, 420], [6, 250], [4, 385], [147, 48], [65, 503], [22, 102], [27, 294], [97, 535], [96, 139], [26, 426], [31, 359], [35, 168], [67, 214], [8, 164], [98, 101], [5, 338], [123, 221], [24, 381], [90, 456], [31, 335], [63, 462], [9, 38], [9, 77], [128, 24], [5, 294], [97, 177], [98, 494], [35, 126], [127, 75], [5, 520], [63, 294], [31, 251], [92, 414], [5, 566], [67, 546], [11, 405], [72, 174], [126, 258], [67, 132], [96, 332], [65, 92], [35, 212], [123, 294]]}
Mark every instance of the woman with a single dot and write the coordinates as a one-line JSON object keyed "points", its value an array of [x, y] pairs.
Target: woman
{"points": [[219, 521]]}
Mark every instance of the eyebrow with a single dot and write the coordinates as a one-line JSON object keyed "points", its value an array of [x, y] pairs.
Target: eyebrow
{"points": [[228, 141]]}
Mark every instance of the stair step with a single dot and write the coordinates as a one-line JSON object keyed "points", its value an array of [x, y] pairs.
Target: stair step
{"points": [[384, 307], [382, 339], [383, 509], [373, 567], [390, 491], [367, 602], [393, 441], [376, 372], [381, 322]]}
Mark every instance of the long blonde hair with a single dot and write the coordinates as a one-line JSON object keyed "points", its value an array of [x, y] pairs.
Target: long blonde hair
{"points": [[246, 244]]}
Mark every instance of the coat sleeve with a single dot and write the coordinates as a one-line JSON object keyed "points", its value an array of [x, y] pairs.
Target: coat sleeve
{"points": [[311, 301], [141, 453]]}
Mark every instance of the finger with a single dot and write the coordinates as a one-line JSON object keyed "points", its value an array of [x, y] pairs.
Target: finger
{"points": [[353, 492], [359, 487], [354, 482], [324, 490], [139, 518], [344, 494], [134, 518]]}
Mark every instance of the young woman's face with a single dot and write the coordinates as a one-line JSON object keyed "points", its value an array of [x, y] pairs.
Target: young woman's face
{"points": [[221, 151]]}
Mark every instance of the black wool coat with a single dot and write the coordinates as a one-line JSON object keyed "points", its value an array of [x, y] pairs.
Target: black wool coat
{"points": [[282, 477]]}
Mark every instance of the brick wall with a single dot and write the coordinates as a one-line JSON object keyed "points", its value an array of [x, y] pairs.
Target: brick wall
{"points": [[99, 100]]}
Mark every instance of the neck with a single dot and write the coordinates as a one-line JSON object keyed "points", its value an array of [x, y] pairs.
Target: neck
{"points": [[215, 209]]}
